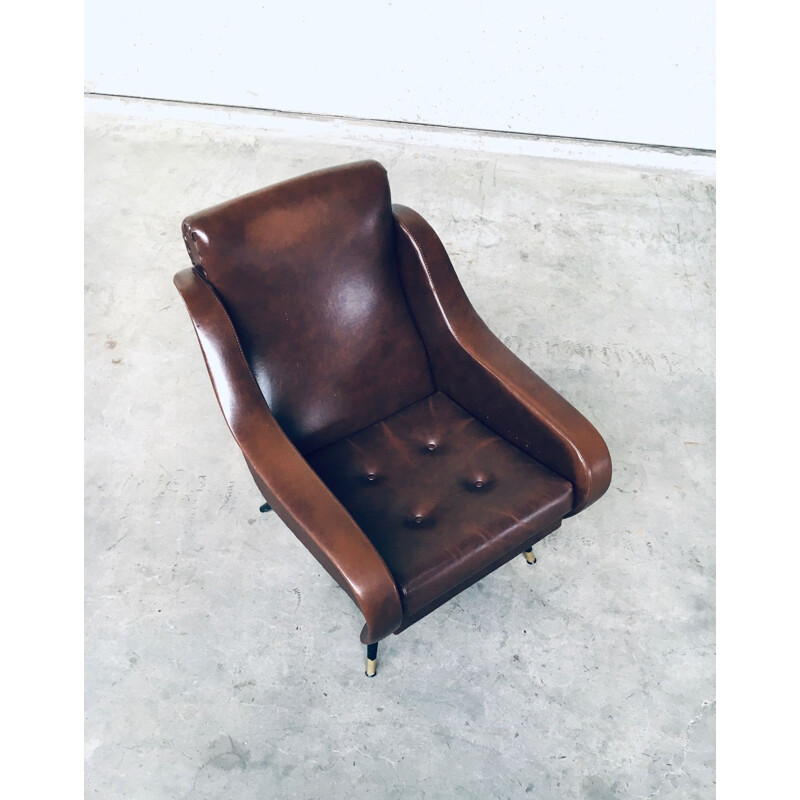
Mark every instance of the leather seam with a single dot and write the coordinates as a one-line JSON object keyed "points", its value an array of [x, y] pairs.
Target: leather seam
{"points": [[195, 256], [546, 417], [197, 250], [229, 321], [411, 313]]}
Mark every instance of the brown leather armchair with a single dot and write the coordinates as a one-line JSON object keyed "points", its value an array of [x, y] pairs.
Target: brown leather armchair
{"points": [[406, 447]]}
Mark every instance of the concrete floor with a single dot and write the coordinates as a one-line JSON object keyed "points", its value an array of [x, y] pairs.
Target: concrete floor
{"points": [[222, 662]]}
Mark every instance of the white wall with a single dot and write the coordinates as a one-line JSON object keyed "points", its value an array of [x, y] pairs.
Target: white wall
{"points": [[613, 70]]}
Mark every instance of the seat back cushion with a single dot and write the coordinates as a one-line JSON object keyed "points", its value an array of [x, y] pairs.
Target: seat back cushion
{"points": [[307, 272]]}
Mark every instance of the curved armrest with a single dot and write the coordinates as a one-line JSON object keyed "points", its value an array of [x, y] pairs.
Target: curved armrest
{"points": [[480, 373], [292, 488]]}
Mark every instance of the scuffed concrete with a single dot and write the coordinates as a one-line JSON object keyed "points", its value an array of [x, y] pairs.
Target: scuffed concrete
{"points": [[222, 661]]}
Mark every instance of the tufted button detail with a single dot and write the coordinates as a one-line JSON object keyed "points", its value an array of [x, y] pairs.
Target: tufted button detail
{"points": [[479, 483], [418, 519], [371, 476], [432, 446]]}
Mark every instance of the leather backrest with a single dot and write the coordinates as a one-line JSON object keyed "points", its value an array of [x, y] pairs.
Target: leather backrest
{"points": [[307, 271]]}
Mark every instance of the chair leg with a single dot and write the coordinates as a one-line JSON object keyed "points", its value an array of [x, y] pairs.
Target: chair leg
{"points": [[266, 507], [529, 556], [372, 660]]}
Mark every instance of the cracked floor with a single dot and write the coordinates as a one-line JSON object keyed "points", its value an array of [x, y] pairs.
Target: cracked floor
{"points": [[221, 661]]}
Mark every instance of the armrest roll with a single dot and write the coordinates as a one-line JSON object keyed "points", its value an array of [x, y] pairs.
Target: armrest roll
{"points": [[285, 478], [480, 373]]}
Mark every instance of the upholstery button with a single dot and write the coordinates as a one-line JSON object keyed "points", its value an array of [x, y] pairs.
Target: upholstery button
{"points": [[418, 519], [479, 484], [432, 446], [371, 476]]}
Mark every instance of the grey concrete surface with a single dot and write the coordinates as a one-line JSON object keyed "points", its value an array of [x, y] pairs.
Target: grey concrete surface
{"points": [[222, 662]]}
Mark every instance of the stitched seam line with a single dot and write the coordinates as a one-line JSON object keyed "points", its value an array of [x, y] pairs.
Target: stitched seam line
{"points": [[235, 335], [546, 417], [197, 251]]}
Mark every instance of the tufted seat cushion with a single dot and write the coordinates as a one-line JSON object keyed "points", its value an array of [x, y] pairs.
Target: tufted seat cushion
{"points": [[441, 497]]}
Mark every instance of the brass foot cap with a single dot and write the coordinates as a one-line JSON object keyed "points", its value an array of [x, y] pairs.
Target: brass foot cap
{"points": [[530, 557], [372, 667]]}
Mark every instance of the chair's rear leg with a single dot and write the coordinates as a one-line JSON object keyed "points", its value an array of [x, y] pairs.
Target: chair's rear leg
{"points": [[372, 660], [266, 507], [529, 556]]}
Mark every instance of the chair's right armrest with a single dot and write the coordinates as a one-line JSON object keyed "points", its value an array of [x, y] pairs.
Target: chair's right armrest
{"points": [[293, 489], [477, 370]]}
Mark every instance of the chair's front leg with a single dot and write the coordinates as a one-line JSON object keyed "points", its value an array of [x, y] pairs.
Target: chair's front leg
{"points": [[372, 660], [529, 556]]}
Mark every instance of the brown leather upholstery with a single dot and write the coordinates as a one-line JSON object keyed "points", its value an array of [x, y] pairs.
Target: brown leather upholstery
{"points": [[301, 269], [408, 449]]}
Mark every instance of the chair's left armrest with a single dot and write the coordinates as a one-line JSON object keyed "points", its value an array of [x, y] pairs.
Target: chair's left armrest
{"points": [[293, 489], [479, 372]]}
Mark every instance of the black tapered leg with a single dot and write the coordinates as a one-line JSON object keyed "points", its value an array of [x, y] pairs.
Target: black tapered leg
{"points": [[372, 660], [266, 507]]}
